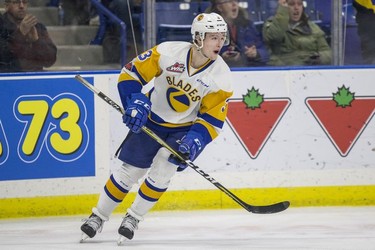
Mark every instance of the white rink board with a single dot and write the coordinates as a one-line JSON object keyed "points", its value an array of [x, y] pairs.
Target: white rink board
{"points": [[298, 153]]}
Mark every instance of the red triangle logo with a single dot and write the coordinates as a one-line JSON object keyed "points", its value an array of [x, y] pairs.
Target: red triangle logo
{"points": [[253, 127], [343, 126]]}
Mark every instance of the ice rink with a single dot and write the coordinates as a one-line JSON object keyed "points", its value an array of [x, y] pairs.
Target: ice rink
{"points": [[296, 228]]}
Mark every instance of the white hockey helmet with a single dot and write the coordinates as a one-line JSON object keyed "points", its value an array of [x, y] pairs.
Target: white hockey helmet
{"points": [[208, 22]]}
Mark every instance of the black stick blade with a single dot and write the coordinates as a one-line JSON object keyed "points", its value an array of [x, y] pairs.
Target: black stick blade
{"points": [[269, 209]]}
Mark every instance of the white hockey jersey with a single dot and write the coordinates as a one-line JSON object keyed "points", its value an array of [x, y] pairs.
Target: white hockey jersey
{"points": [[182, 96]]}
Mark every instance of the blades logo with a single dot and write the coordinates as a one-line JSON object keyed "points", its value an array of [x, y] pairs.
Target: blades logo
{"points": [[177, 67], [343, 118], [254, 118]]}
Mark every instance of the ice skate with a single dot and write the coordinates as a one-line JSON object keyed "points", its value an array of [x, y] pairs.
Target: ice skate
{"points": [[126, 230], [92, 225]]}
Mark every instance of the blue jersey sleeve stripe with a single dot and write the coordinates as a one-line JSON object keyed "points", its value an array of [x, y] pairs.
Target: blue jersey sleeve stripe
{"points": [[126, 88], [211, 120], [202, 130]]}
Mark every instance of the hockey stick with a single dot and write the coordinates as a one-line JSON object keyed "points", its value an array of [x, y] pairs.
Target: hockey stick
{"points": [[267, 209]]}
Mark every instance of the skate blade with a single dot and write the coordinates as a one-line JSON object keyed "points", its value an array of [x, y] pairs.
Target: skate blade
{"points": [[83, 237], [121, 240]]}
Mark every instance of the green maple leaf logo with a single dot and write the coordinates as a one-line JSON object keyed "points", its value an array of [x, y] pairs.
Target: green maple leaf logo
{"points": [[343, 97], [253, 99]]}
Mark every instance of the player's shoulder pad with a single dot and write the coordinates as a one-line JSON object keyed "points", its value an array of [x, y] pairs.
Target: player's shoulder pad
{"points": [[222, 75], [173, 48]]}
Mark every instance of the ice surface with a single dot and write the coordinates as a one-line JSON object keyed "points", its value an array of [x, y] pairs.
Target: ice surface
{"points": [[327, 228]]}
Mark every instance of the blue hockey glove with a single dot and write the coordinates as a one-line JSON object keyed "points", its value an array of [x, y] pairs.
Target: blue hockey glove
{"points": [[191, 146], [136, 113]]}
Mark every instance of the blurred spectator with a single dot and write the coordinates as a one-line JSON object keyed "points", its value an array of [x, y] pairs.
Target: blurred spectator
{"points": [[6, 61], [76, 12], [246, 47], [25, 43], [129, 15], [366, 28], [293, 39]]}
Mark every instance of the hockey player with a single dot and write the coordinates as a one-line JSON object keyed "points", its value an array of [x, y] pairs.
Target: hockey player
{"points": [[186, 107]]}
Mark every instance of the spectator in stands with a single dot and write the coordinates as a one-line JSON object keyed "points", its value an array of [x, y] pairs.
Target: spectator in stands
{"points": [[246, 47], [293, 39], [25, 43], [76, 12], [366, 28], [127, 11], [6, 62]]}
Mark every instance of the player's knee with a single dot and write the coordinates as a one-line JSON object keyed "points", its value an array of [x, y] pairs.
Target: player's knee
{"points": [[127, 175], [162, 170]]}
